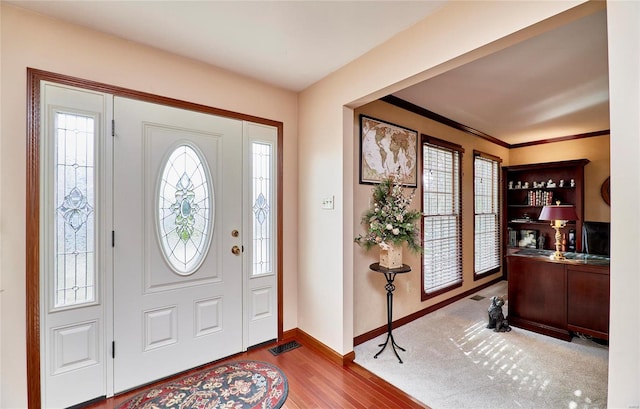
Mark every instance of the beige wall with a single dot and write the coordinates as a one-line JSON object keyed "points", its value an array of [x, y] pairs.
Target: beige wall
{"points": [[438, 43], [369, 310], [596, 149], [327, 268], [30, 40], [326, 141]]}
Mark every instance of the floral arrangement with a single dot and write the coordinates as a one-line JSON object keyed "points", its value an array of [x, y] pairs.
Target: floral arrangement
{"points": [[389, 220]]}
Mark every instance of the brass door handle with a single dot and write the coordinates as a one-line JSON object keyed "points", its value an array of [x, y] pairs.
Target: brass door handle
{"points": [[235, 250]]}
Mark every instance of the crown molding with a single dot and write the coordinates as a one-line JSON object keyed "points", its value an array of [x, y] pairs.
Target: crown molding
{"points": [[408, 106]]}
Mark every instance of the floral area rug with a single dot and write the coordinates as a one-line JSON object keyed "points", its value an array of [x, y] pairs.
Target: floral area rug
{"points": [[234, 385]]}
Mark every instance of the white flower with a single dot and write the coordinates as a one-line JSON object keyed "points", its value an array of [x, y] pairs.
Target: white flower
{"points": [[389, 218]]}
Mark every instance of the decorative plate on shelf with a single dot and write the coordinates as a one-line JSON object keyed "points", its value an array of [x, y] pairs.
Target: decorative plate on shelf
{"points": [[605, 191]]}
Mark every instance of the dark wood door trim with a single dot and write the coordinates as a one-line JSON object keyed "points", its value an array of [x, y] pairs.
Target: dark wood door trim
{"points": [[32, 245]]}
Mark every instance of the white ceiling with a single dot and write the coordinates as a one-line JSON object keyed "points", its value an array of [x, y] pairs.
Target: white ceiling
{"points": [[290, 44], [550, 86]]}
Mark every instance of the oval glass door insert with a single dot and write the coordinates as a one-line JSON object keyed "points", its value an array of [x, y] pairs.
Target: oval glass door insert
{"points": [[185, 216]]}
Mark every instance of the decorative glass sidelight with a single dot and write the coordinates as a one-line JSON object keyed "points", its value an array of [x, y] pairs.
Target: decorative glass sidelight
{"points": [[74, 219], [185, 210], [262, 196]]}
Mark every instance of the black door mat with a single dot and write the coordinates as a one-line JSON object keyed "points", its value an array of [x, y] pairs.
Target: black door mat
{"points": [[477, 298], [287, 346]]}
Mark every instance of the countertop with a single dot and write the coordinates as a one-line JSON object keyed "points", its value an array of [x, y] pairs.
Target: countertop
{"points": [[571, 258]]}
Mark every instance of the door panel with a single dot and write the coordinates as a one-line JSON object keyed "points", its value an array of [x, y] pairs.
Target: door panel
{"points": [[261, 281], [74, 144], [172, 313]]}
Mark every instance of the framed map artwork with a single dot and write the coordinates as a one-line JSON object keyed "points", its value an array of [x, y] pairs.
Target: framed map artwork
{"points": [[387, 149]]}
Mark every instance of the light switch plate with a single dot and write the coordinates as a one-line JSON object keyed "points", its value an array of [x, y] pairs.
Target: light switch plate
{"points": [[327, 203]]}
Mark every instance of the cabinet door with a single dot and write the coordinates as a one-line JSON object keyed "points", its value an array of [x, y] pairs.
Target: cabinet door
{"points": [[538, 296], [588, 306]]}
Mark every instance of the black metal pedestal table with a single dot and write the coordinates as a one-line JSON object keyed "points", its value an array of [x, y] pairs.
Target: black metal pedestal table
{"points": [[390, 275]]}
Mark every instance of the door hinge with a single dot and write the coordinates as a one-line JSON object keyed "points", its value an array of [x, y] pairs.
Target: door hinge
{"points": [[113, 349], [113, 238], [113, 127]]}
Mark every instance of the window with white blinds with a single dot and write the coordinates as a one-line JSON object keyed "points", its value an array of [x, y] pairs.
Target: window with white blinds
{"points": [[486, 214], [442, 223]]}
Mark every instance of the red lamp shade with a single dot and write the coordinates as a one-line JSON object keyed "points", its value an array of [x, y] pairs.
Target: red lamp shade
{"points": [[558, 212]]}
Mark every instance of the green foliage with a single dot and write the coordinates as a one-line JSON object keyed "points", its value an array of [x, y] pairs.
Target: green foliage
{"points": [[389, 221]]}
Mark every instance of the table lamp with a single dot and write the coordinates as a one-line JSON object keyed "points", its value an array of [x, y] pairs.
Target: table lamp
{"points": [[558, 215]]}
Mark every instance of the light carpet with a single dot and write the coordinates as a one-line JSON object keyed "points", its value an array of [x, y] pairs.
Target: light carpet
{"points": [[453, 361]]}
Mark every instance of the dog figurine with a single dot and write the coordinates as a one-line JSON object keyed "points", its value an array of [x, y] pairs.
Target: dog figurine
{"points": [[497, 320]]}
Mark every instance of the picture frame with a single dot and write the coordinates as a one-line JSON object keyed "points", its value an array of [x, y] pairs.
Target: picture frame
{"points": [[387, 149], [528, 239]]}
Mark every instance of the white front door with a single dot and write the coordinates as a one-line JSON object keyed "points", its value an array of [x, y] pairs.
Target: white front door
{"points": [[177, 240], [140, 274]]}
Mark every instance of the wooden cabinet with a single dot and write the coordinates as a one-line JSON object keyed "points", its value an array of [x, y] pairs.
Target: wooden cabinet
{"points": [[526, 190], [588, 302], [538, 296], [559, 298]]}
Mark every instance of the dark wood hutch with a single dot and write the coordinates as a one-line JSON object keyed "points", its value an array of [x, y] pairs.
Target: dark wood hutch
{"points": [[527, 188], [556, 298]]}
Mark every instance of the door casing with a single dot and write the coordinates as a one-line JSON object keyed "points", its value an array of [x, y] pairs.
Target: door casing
{"points": [[34, 78]]}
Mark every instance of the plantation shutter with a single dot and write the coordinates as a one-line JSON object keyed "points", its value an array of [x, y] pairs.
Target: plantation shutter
{"points": [[442, 222], [486, 214]]}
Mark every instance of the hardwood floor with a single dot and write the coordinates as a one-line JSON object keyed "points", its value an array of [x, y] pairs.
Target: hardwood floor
{"points": [[316, 382]]}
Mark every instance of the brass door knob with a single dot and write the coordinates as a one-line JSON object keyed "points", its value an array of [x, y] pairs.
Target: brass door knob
{"points": [[235, 250]]}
